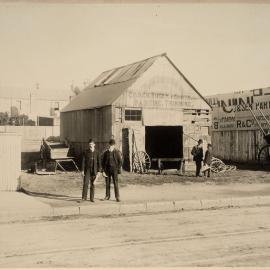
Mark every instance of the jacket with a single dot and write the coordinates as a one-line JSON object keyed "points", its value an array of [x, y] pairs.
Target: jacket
{"points": [[208, 157], [106, 160], [197, 153], [86, 162]]}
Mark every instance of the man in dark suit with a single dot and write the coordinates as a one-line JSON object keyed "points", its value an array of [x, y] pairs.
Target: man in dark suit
{"points": [[91, 166], [111, 164], [208, 160], [197, 152]]}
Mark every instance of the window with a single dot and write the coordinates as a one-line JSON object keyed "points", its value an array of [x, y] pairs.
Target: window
{"points": [[257, 92], [133, 115], [118, 114]]}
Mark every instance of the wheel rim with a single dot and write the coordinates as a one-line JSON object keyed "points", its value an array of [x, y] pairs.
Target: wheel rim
{"points": [[141, 162], [264, 156]]}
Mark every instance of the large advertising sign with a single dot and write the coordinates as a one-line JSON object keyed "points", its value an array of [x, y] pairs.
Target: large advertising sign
{"points": [[241, 111]]}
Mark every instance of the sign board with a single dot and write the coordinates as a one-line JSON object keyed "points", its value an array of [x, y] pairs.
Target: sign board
{"points": [[239, 116]]}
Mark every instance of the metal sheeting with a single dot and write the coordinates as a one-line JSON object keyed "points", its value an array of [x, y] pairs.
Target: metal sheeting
{"points": [[97, 96], [124, 73], [109, 85], [10, 161]]}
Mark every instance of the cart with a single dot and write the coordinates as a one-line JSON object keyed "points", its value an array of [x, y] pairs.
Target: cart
{"points": [[55, 153], [264, 153], [141, 162]]}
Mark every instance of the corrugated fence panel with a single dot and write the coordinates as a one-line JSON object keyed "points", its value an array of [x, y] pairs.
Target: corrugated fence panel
{"points": [[237, 145], [80, 126], [10, 161]]}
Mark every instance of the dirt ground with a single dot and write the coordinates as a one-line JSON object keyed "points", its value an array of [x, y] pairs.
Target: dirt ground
{"points": [[220, 238], [66, 182], [64, 189]]}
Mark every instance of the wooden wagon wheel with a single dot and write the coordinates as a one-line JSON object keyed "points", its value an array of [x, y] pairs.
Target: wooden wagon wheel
{"points": [[264, 156], [141, 162]]}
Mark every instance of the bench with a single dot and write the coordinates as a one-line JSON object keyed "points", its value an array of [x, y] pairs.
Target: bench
{"points": [[159, 161]]}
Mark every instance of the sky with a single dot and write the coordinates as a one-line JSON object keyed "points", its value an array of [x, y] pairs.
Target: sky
{"points": [[218, 47]]}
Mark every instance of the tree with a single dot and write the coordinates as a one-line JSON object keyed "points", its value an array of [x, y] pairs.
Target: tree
{"points": [[4, 118], [76, 90]]}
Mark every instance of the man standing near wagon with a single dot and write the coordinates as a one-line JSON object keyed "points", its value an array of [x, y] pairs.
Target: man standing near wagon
{"points": [[111, 164], [91, 166], [197, 152]]}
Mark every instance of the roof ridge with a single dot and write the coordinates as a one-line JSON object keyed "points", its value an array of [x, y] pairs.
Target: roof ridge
{"points": [[116, 68]]}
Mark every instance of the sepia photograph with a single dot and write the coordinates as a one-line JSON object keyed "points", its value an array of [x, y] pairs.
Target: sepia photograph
{"points": [[134, 134]]}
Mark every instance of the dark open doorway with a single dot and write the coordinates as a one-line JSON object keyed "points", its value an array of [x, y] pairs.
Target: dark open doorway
{"points": [[164, 142]]}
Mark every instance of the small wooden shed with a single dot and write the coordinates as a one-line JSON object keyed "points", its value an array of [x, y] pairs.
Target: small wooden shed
{"points": [[150, 101]]}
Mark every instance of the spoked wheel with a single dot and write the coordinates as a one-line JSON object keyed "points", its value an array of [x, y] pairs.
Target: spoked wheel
{"points": [[141, 162], [264, 157]]}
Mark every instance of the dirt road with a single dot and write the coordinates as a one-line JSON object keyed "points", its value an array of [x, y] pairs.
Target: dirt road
{"points": [[228, 237]]}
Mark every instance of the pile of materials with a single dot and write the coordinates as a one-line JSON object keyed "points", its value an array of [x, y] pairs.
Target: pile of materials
{"points": [[218, 166]]}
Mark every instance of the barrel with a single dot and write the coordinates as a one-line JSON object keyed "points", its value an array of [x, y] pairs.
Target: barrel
{"points": [[10, 161]]}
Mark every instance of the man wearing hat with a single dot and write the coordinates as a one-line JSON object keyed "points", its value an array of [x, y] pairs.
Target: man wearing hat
{"points": [[197, 152], [111, 164], [91, 166]]}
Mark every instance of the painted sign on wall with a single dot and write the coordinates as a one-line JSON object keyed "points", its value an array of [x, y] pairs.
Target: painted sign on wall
{"points": [[238, 115]]}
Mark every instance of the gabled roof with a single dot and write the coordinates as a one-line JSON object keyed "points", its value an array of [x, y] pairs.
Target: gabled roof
{"points": [[124, 73], [111, 84]]}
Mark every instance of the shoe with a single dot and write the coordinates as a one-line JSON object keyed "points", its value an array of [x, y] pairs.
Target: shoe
{"points": [[107, 198], [92, 201], [118, 200]]}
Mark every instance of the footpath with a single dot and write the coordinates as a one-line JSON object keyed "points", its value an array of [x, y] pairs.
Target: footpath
{"points": [[135, 199]]}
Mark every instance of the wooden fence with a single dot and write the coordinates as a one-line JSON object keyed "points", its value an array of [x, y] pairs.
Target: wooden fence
{"points": [[237, 145]]}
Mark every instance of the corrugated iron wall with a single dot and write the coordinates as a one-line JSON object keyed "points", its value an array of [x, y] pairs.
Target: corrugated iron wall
{"points": [[10, 161], [237, 145], [79, 126]]}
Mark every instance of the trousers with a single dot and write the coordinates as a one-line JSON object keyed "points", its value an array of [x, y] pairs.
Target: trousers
{"points": [[112, 174], [208, 171], [198, 167], [88, 178]]}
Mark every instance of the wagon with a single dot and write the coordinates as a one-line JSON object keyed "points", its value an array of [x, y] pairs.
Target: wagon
{"points": [[57, 154], [264, 153]]}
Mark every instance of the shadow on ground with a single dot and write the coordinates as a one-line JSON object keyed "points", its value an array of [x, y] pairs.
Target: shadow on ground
{"points": [[50, 196]]}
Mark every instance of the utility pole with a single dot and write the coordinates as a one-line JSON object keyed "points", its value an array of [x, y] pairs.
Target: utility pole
{"points": [[30, 101]]}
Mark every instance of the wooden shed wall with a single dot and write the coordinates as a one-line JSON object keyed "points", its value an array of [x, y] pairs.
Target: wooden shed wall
{"points": [[195, 128], [161, 86], [192, 132], [237, 145], [79, 126], [166, 99]]}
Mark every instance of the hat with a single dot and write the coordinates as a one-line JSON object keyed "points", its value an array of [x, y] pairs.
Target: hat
{"points": [[112, 142], [91, 141]]}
